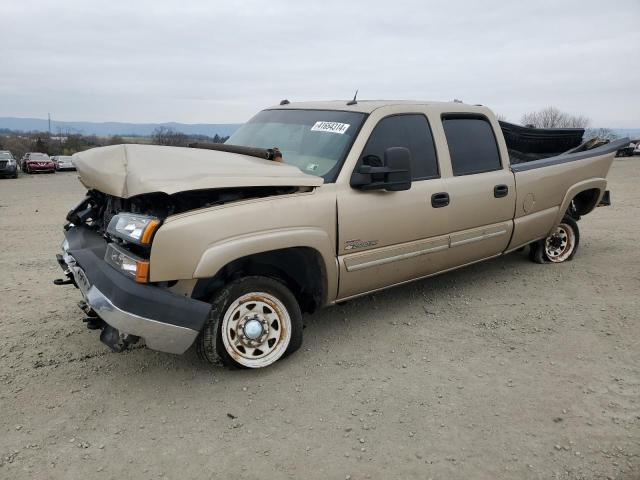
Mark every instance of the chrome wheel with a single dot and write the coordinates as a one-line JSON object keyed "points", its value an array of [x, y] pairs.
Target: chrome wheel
{"points": [[256, 329], [560, 244]]}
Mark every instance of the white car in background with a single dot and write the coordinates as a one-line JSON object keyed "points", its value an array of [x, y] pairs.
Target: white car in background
{"points": [[63, 162]]}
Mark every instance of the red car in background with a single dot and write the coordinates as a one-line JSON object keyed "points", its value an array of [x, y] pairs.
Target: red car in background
{"points": [[33, 162]]}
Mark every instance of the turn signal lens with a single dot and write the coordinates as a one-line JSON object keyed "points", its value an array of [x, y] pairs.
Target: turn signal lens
{"points": [[148, 232], [142, 272]]}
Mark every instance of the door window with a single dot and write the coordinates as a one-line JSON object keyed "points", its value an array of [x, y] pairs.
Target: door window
{"points": [[472, 144], [409, 131]]}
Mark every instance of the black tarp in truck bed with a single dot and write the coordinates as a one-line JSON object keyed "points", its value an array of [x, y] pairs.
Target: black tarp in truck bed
{"points": [[527, 143]]}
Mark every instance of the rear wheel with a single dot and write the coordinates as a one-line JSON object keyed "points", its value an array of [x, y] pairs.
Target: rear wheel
{"points": [[560, 246], [254, 322]]}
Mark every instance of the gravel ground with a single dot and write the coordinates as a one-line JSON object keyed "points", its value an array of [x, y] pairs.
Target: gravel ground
{"points": [[505, 369]]}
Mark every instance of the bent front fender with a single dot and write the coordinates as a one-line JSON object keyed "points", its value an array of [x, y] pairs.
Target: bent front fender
{"points": [[222, 253]]}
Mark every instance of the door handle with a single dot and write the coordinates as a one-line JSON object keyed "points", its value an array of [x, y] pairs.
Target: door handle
{"points": [[439, 200], [500, 191]]}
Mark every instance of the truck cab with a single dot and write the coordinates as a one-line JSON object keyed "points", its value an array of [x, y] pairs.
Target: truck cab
{"points": [[458, 209]]}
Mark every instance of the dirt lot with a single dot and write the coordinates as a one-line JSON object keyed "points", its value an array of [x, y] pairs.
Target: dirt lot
{"points": [[506, 369]]}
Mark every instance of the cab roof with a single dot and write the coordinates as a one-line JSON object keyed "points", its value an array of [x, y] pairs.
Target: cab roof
{"points": [[362, 106]]}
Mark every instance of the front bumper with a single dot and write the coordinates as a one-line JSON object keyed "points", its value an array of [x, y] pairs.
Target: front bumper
{"points": [[40, 168], [8, 170], [166, 321]]}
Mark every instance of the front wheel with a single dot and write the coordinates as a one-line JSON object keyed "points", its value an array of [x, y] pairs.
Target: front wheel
{"points": [[558, 247], [254, 322]]}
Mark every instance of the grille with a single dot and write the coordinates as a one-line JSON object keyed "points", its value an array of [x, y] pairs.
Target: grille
{"points": [[3, 163]]}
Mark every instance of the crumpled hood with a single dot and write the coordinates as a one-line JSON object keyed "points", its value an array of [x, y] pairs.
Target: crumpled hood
{"points": [[129, 170]]}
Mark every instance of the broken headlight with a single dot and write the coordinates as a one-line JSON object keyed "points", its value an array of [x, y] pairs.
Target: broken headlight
{"points": [[134, 228]]}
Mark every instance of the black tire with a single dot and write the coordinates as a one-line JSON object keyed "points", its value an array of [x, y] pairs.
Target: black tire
{"points": [[538, 252], [210, 345]]}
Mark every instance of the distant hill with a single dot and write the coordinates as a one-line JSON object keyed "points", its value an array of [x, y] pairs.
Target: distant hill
{"points": [[632, 133], [104, 129]]}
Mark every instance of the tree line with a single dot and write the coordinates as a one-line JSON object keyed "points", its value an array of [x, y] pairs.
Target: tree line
{"points": [[171, 137], [552, 117], [19, 143]]}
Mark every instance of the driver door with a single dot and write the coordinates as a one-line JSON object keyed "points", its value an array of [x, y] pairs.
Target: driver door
{"points": [[385, 237]]}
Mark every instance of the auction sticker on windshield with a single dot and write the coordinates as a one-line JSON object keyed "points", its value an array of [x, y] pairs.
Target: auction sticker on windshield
{"points": [[333, 127]]}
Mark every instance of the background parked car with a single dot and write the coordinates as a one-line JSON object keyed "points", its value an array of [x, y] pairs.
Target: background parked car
{"points": [[627, 151], [33, 162], [63, 162], [24, 158], [8, 165]]}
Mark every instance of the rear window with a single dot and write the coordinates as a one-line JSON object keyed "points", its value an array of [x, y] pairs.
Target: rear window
{"points": [[472, 144]]}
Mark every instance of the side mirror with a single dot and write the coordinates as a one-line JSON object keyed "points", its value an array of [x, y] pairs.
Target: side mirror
{"points": [[393, 175]]}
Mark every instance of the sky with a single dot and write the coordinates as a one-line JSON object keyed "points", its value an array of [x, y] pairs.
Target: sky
{"points": [[221, 61]]}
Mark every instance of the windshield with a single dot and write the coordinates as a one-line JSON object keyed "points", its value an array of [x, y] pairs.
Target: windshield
{"points": [[39, 156], [315, 141], [5, 156]]}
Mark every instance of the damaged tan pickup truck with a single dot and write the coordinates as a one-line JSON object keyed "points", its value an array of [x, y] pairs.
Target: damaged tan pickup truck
{"points": [[311, 204]]}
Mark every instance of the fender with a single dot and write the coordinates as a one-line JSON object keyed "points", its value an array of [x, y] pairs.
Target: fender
{"points": [[222, 253], [594, 183]]}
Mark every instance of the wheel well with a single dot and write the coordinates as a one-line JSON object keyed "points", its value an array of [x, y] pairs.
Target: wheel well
{"points": [[583, 202], [301, 269]]}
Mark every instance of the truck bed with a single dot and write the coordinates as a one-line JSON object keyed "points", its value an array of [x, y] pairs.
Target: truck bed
{"points": [[547, 187]]}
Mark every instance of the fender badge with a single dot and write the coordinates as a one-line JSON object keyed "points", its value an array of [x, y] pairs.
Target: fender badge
{"points": [[353, 244]]}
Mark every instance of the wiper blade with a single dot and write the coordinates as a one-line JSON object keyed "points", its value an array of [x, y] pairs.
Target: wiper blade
{"points": [[264, 153]]}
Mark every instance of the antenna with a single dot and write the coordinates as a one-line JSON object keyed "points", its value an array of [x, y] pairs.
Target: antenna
{"points": [[354, 101], [284, 102]]}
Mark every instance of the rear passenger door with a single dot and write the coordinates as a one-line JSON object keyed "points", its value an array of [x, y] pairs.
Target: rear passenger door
{"points": [[481, 190], [385, 237]]}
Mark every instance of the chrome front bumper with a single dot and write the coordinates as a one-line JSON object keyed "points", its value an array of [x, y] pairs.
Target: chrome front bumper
{"points": [[157, 335]]}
